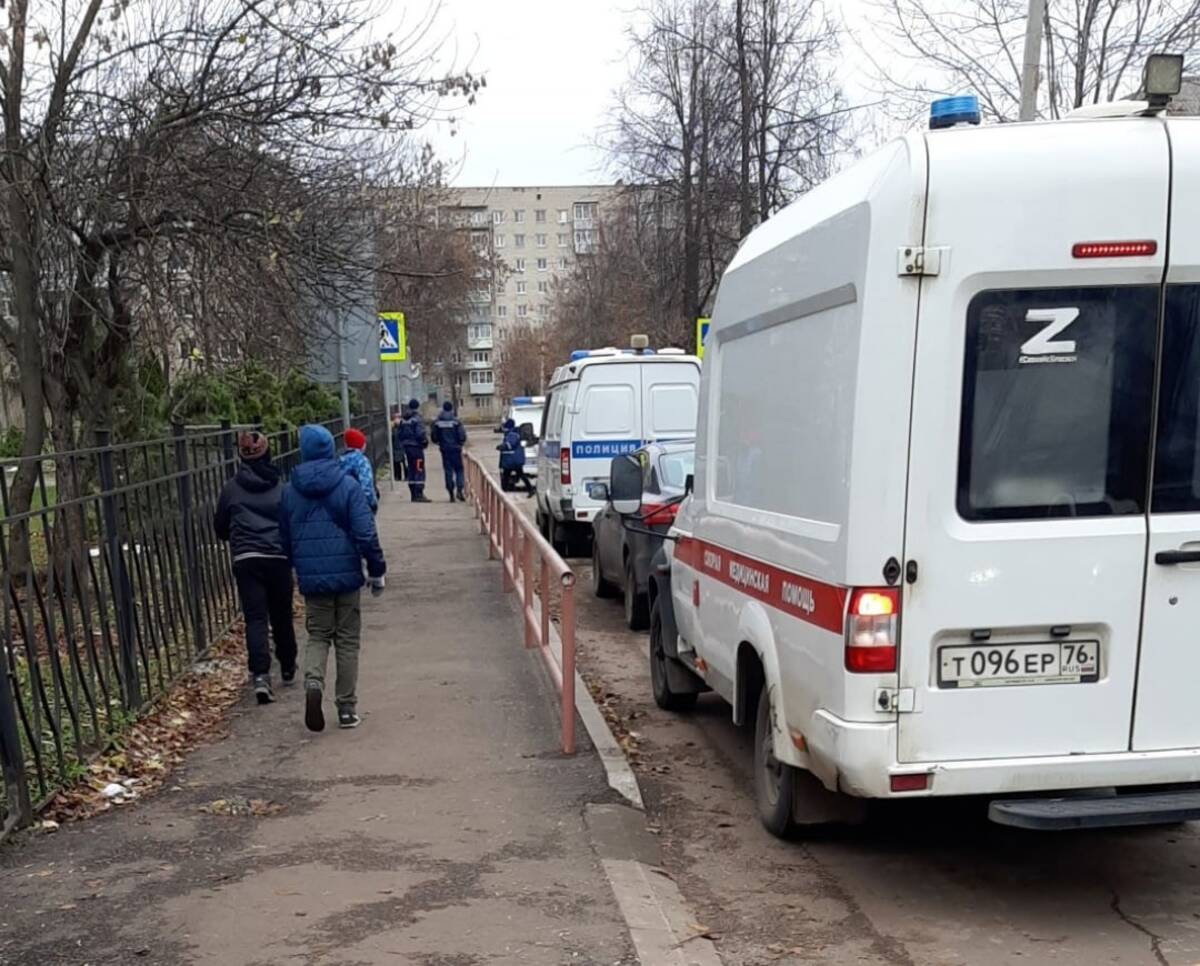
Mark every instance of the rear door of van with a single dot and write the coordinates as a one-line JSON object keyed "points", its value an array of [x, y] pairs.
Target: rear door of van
{"points": [[670, 394], [1026, 525], [1169, 667], [606, 421]]}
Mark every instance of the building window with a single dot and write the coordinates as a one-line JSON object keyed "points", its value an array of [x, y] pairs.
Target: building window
{"points": [[479, 239], [497, 217], [481, 357], [520, 265], [541, 241], [562, 263], [477, 217], [501, 311], [562, 216], [585, 211], [500, 240], [522, 310], [585, 241], [540, 216], [520, 288], [543, 310], [543, 286], [481, 402], [519, 241], [519, 215], [563, 240], [542, 264]]}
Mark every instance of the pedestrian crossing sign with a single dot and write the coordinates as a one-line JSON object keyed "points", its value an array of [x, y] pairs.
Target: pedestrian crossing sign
{"points": [[393, 343], [701, 336]]}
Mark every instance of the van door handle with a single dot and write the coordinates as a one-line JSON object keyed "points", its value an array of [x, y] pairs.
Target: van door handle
{"points": [[1177, 556]]}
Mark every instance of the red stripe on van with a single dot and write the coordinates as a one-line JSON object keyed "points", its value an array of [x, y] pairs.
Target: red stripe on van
{"points": [[810, 600]]}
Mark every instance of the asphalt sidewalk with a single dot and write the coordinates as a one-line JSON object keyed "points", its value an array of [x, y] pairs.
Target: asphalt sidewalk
{"points": [[447, 831]]}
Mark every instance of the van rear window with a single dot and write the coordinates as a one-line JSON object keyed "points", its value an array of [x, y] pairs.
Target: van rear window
{"points": [[1056, 402], [1177, 452]]}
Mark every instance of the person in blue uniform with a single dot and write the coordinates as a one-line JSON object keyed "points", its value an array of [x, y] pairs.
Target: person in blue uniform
{"points": [[450, 436], [413, 439], [512, 459]]}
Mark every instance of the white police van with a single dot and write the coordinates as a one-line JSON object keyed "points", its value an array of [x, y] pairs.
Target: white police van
{"points": [[600, 404], [944, 537]]}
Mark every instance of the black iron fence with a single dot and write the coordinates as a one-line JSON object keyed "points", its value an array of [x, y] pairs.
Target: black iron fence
{"points": [[111, 585]]}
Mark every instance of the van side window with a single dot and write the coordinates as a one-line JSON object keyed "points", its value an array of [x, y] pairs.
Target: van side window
{"points": [[547, 413], [1056, 406], [1177, 452], [609, 409]]}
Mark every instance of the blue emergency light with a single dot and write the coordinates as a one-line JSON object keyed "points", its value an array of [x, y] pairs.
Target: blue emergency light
{"points": [[522, 400], [579, 354], [954, 110]]}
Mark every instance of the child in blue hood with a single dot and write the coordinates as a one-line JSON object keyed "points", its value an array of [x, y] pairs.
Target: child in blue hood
{"points": [[328, 531]]}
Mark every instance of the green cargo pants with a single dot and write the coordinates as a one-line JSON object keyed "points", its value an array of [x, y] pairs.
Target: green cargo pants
{"points": [[333, 620]]}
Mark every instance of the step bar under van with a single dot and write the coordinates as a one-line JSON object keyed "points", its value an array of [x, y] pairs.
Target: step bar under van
{"points": [[1098, 811]]}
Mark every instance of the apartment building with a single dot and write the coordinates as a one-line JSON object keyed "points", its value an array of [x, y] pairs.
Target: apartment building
{"points": [[536, 236]]}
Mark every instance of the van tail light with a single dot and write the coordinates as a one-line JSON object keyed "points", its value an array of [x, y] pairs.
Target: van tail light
{"points": [[656, 514], [564, 464], [871, 626]]}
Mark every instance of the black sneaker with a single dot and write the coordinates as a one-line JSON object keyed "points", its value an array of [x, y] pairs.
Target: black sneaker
{"points": [[421, 498], [462, 497], [348, 718], [263, 692], [314, 714], [288, 674], [451, 496]]}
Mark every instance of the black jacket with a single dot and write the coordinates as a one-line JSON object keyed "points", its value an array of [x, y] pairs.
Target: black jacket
{"points": [[248, 511]]}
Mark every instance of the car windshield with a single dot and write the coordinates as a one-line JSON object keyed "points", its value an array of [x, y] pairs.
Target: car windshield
{"points": [[675, 468]]}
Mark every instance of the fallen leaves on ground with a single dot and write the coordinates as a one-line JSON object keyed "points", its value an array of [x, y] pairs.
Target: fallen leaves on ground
{"points": [[193, 711], [258, 807]]}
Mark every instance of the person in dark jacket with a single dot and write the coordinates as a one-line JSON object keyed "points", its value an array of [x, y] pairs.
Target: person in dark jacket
{"points": [[449, 434], [512, 459], [413, 441], [247, 516], [398, 443], [328, 531]]}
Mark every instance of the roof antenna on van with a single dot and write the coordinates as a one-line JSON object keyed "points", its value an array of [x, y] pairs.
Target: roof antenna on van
{"points": [[639, 343]]}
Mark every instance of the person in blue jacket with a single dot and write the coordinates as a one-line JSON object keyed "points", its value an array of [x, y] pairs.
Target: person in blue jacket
{"points": [[512, 459], [327, 531], [413, 440], [354, 461], [449, 434]]}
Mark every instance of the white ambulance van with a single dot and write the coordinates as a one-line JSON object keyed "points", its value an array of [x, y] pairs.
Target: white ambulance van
{"points": [[601, 404], [944, 537]]}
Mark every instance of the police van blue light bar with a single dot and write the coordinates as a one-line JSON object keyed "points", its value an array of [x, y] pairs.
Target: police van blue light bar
{"points": [[522, 400], [954, 110], [579, 354]]}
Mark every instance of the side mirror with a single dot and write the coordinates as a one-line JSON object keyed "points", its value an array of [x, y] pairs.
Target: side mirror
{"points": [[625, 484], [689, 485], [526, 431], [598, 492]]}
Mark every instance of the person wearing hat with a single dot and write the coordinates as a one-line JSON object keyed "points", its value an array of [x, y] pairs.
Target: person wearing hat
{"points": [[328, 532], [512, 459], [354, 461], [413, 441], [247, 517], [449, 434], [398, 418]]}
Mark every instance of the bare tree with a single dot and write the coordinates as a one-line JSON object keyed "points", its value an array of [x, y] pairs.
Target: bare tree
{"points": [[1093, 50]]}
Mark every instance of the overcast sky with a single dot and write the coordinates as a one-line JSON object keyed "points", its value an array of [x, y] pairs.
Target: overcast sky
{"points": [[552, 67]]}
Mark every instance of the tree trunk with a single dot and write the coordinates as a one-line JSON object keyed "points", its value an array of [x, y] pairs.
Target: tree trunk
{"points": [[745, 205]]}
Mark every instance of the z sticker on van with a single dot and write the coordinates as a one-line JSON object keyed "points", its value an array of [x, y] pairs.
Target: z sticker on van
{"points": [[1043, 347]]}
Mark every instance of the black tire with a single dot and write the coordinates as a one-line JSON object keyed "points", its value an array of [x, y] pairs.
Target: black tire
{"points": [[600, 587], [543, 529], [774, 782], [660, 684], [637, 606], [555, 533]]}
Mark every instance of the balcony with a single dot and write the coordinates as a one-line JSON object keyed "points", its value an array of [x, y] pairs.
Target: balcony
{"points": [[483, 388], [472, 364], [481, 342]]}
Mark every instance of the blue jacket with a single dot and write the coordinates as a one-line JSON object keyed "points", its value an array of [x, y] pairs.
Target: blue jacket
{"points": [[448, 432], [325, 525], [512, 451], [355, 463], [411, 433]]}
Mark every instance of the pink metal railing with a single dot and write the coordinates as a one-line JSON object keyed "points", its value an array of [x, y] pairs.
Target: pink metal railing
{"points": [[530, 568]]}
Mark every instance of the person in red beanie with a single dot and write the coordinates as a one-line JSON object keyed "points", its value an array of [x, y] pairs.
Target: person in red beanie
{"points": [[355, 462]]}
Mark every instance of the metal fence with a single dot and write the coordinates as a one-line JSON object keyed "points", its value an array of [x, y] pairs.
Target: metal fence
{"points": [[111, 585]]}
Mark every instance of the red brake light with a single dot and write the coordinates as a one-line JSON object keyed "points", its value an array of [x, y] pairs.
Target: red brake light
{"points": [[564, 464], [910, 783], [1114, 249], [654, 514], [871, 630]]}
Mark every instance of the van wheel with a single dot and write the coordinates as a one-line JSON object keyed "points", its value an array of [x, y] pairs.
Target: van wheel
{"points": [[543, 528], [556, 534], [637, 607], [600, 586], [773, 780], [660, 683]]}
